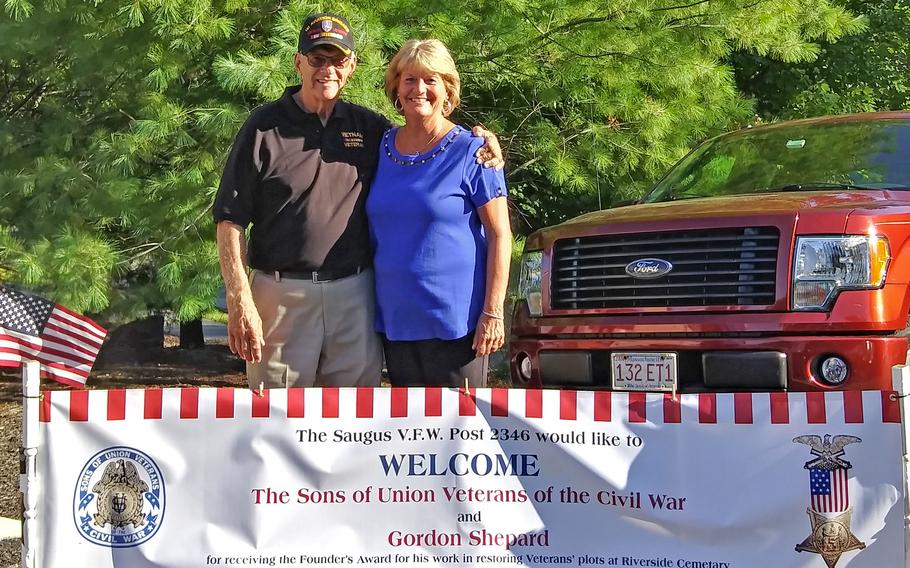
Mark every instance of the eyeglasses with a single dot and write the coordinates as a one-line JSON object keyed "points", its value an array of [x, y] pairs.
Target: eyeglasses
{"points": [[316, 60]]}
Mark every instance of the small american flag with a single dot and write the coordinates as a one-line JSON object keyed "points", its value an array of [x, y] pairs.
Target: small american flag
{"points": [[32, 328], [828, 488]]}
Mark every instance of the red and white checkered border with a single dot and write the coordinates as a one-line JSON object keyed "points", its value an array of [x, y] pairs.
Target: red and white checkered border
{"points": [[849, 407]]}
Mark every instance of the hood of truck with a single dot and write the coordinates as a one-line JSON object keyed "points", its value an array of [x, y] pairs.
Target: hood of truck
{"points": [[803, 211], [734, 206]]}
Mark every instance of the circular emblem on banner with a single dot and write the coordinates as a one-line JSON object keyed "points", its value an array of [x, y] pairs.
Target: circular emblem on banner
{"points": [[119, 498]]}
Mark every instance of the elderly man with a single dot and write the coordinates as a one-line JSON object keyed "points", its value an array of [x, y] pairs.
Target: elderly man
{"points": [[299, 172]]}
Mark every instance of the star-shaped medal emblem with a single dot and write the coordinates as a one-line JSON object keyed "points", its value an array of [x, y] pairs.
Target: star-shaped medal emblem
{"points": [[830, 537]]}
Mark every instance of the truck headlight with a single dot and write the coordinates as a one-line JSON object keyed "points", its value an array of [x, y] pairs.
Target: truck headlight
{"points": [[529, 281], [823, 266]]}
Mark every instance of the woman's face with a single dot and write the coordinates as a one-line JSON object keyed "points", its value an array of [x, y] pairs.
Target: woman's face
{"points": [[421, 93]]}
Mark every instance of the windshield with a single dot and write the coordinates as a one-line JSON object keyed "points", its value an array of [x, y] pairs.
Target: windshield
{"points": [[861, 155]]}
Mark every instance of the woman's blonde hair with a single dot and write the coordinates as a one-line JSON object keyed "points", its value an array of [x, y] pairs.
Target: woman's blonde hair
{"points": [[424, 55]]}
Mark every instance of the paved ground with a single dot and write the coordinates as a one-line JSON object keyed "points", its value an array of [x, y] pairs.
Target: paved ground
{"points": [[213, 331]]}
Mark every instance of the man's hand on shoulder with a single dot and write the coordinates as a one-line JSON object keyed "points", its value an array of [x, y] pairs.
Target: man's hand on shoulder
{"points": [[490, 154]]}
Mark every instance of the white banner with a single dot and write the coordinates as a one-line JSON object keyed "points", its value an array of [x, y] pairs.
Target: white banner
{"points": [[436, 477]]}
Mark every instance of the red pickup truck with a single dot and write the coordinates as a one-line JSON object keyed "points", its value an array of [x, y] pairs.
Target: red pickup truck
{"points": [[771, 258]]}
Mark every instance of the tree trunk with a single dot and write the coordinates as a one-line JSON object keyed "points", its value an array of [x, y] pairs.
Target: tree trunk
{"points": [[191, 336]]}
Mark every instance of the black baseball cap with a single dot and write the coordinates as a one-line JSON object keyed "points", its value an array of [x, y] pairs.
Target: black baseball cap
{"points": [[326, 29]]}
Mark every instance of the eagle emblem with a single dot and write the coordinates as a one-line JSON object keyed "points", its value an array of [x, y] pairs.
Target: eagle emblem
{"points": [[119, 494], [828, 449]]}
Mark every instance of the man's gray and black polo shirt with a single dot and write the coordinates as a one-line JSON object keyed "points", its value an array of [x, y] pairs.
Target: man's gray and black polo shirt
{"points": [[303, 185]]}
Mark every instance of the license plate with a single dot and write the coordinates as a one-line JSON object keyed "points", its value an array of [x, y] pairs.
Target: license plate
{"points": [[643, 371]]}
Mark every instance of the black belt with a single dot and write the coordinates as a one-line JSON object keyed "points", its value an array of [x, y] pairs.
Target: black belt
{"points": [[316, 276]]}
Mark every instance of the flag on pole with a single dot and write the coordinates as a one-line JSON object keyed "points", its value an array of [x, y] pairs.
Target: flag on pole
{"points": [[62, 341]]}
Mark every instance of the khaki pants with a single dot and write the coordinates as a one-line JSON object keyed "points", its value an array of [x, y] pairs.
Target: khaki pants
{"points": [[316, 334]]}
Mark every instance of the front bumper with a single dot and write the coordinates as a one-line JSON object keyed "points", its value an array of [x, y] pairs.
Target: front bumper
{"points": [[716, 364]]}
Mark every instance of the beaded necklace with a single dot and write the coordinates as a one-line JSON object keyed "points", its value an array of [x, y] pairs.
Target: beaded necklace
{"points": [[450, 137]]}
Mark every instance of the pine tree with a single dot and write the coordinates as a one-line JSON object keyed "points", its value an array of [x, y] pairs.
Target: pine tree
{"points": [[117, 116], [865, 72], [114, 136]]}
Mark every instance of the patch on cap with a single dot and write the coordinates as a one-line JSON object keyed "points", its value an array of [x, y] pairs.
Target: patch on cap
{"points": [[326, 29]]}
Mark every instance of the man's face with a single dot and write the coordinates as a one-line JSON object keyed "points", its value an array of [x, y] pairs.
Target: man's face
{"points": [[324, 71]]}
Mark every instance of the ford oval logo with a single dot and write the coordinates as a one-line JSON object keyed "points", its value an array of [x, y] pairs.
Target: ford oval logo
{"points": [[648, 268]]}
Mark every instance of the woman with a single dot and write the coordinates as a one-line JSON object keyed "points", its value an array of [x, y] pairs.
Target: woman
{"points": [[440, 229]]}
